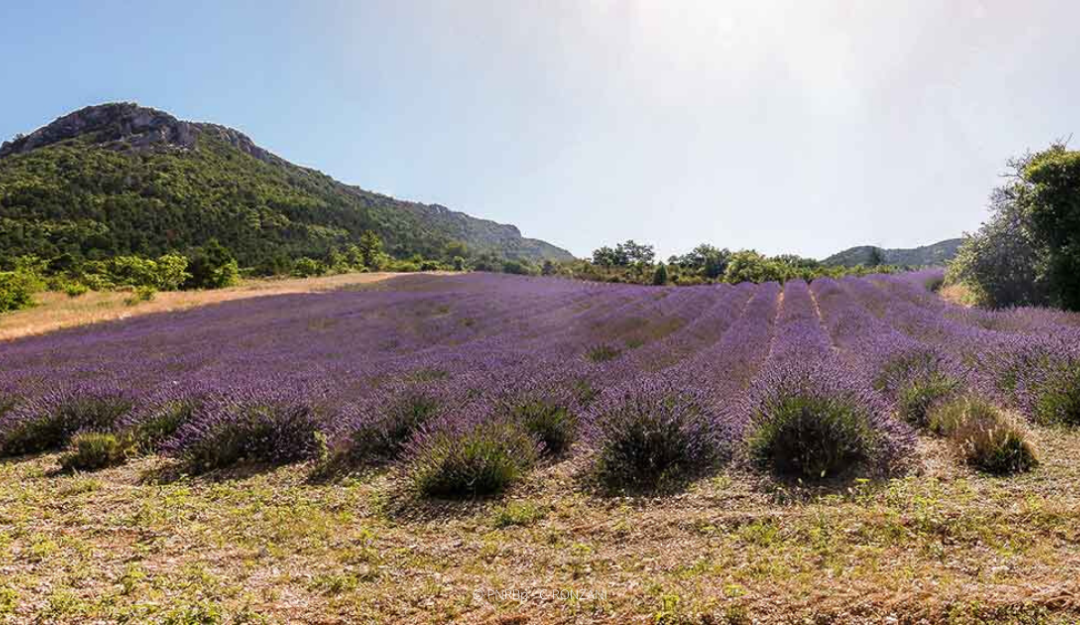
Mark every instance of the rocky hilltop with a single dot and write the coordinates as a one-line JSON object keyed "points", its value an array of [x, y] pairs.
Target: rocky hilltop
{"points": [[139, 180], [129, 126]]}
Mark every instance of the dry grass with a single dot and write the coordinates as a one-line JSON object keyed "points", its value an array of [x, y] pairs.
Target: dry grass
{"points": [[957, 294], [56, 310], [944, 545]]}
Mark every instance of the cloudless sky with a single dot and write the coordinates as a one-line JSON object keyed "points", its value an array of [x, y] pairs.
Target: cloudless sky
{"points": [[787, 126]]}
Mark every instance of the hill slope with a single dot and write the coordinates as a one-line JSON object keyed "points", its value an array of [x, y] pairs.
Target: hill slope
{"points": [[124, 179], [936, 254]]}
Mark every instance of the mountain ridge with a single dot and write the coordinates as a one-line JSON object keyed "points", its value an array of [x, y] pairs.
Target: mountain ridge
{"points": [[147, 148], [934, 254]]}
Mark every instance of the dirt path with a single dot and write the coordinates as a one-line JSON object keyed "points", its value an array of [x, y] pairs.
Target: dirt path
{"points": [[56, 310]]}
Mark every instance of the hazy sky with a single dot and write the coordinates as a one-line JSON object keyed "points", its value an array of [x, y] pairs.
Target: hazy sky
{"points": [[795, 126]]}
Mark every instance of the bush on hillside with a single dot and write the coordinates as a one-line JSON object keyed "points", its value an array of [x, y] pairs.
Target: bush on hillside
{"points": [[212, 267], [308, 267], [17, 290]]}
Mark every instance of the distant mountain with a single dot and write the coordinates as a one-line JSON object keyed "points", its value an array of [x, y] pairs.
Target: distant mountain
{"points": [[124, 179], [937, 254]]}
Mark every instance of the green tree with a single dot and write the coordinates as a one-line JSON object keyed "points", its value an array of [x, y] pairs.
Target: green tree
{"points": [[212, 267], [17, 290], [371, 250], [751, 266], [1026, 253], [1054, 180], [660, 276]]}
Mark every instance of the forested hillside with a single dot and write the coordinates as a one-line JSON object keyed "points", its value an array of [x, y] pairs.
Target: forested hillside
{"points": [[122, 179], [935, 254]]}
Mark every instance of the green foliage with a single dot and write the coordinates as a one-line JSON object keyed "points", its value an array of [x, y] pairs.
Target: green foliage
{"points": [[93, 202], [141, 294], [660, 276], [812, 438], [90, 451], [1054, 179], [371, 250], [750, 266], [308, 267], [212, 267], [17, 290], [704, 261], [75, 289], [459, 263], [518, 267], [624, 255], [1028, 253], [482, 460]]}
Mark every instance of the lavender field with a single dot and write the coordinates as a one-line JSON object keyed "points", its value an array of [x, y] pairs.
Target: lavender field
{"points": [[498, 449], [545, 368]]}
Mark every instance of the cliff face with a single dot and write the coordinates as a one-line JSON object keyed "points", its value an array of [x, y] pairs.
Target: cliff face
{"points": [[198, 177], [130, 126]]}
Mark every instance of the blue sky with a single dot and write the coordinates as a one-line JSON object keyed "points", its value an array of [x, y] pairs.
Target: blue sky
{"points": [[796, 126]]}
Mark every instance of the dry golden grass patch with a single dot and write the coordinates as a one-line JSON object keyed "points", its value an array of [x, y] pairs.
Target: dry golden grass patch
{"points": [[944, 545], [957, 294], [56, 310]]}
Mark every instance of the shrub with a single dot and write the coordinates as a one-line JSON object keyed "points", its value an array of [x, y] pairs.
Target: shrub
{"points": [[274, 433], [984, 436], [90, 451], [141, 294], [551, 422], [151, 432], [916, 381], [308, 267], [16, 290], [49, 423], [660, 276], [384, 438], [471, 460], [75, 289], [654, 437], [814, 419], [812, 437], [212, 267], [1057, 395], [430, 265], [167, 273]]}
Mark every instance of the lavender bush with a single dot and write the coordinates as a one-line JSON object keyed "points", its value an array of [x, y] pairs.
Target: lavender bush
{"points": [[823, 376], [654, 435]]}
